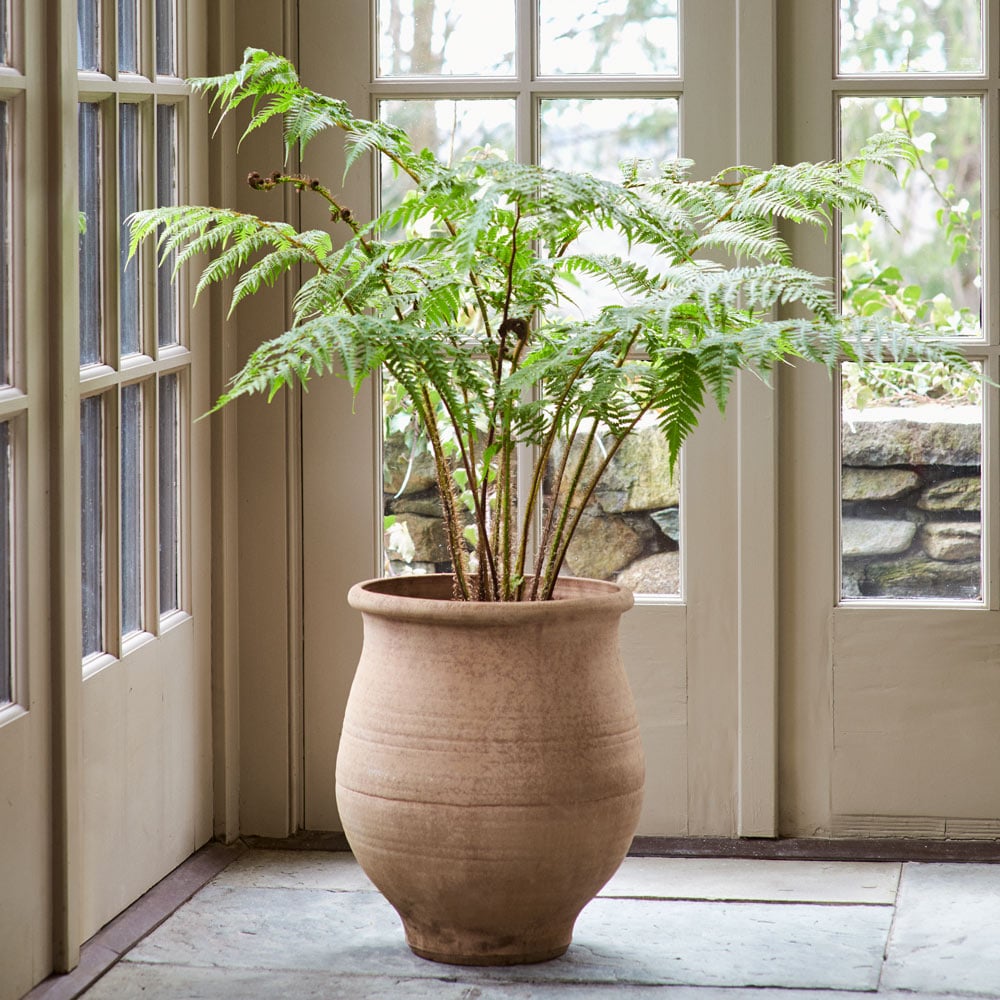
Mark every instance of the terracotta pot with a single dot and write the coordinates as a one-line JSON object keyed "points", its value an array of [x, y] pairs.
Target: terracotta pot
{"points": [[490, 771]]}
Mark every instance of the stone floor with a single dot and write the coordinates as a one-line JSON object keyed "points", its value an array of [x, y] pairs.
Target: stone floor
{"points": [[309, 925]]}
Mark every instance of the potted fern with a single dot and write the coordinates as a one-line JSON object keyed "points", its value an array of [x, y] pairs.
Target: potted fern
{"points": [[490, 770]]}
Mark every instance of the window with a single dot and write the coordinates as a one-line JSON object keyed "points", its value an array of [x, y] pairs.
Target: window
{"points": [[494, 89], [133, 355], [912, 440]]}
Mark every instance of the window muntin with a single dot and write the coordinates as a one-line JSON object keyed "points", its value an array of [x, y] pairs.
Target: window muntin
{"points": [[611, 38], [92, 522], [91, 338], [131, 456], [911, 36], [129, 304], [461, 38]]}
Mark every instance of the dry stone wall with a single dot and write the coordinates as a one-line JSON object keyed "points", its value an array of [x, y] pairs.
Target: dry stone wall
{"points": [[910, 509], [911, 503]]}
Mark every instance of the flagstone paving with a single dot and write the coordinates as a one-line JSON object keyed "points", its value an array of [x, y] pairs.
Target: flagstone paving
{"points": [[309, 924]]}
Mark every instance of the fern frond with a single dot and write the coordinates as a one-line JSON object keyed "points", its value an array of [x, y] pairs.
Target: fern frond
{"points": [[354, 343]]}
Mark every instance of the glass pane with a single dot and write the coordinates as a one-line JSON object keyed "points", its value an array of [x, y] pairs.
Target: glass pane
{"points": [[88, 34], [4, 33], [451, 129], [169, 496], [630, 531], [128, 202], [414, 538], [911, 36], [131, 458], [460, 38], [414, 533], [166, 38], [167, 331], [90, 235], [6, 568], [92, 522], [911, 484], [128, 35], [927, 264], [630, 528], [611, 37], [5, 330], [596, 134]]}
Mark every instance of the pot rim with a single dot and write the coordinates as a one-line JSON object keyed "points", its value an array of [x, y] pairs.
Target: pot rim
{"points": [[402, 597]]}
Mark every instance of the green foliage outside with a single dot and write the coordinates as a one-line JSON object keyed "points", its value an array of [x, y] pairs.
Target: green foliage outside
{"points": [[926, 267], [465, 308]]}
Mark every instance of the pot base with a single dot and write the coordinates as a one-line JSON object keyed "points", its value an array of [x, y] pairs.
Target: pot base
{"points": [[504, 958], [497, 940]]}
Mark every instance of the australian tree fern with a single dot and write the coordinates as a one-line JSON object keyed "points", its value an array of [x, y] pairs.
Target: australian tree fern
{"points": [[470, 308]]}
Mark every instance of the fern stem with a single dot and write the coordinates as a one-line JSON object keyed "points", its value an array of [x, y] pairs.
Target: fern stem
{"points": [[447, 492], [544, 576], [555, 564], [538, 474]]}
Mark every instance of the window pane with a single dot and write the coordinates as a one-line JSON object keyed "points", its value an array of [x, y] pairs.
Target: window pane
{"points": [[415, 540], [132, 465], [4, 32], [612, 37], [911, 36], [463, 38], [167, 331], [451, 129], [92, 522], [630, 530], [128, 35], [90, 236], [911, 484], [6, 568], [166, 38], [927, 264], [596, 134], [88, 34], [128, 202], [5, 331], [169, 496]]}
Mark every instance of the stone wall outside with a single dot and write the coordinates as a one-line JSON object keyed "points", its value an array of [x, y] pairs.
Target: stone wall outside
{"points": [[911, 522], [911, 500]]}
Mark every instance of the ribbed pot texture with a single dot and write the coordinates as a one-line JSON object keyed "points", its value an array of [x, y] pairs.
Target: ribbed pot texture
{"points": [[490, 770]]}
